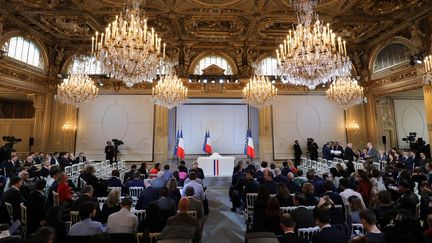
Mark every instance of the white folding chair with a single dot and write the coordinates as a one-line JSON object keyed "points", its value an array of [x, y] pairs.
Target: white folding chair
{"points": [[75, 217], [141, 214], [376, 165], [24, 221], [10, 210], [287, 209], [308, 233], [82, 183], [80, 166], [192, 213], [68, 170], [134, 191], [248, 212], [56, 198], [75, 170]]}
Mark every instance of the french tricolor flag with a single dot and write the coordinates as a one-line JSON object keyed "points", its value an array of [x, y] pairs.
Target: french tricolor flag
{"points": [[249, 147], [207, 148], [180, 146]]}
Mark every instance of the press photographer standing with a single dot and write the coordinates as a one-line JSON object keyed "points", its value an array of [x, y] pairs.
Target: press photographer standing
{"points": [[109, 152]]}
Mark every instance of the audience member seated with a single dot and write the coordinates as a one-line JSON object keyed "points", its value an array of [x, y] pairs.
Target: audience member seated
{"points": [[87, 226], [316, 181], [155, 169], [112, 204], [114, 181], [288, 225], [260, 171], [335, 197], [86, 196], [166, 204], [346, 191], [337, 215], [89, 177], [182, 167], [123, 221], [408, 199], [44, 235], [260, 205], [249, 166], [355, 207], [198, 187], [269, 219], [302, 216], [198, 171], [167, 174], [195, 204], [173, 191], [327, 232], [308, 190], [36, 207], [134, 182], [428, 231], [143, 170], [368, 219], [182, 225], [292, 185], [279, 178], [153, 222], [129, 175], [251, 186], [14, 197], [159, 182], [25, 185], [268, 182], [148, 195], [283, 196], [364, 185], [54, 221], [385, 211]]}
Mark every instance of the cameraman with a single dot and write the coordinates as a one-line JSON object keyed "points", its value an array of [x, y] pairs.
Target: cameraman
{"points": [[11, 166], [109, 152], [312, 149]]}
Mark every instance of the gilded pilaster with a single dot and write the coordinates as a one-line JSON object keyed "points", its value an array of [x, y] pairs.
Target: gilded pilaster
{"points": [[265, 134], [160, 134], [427, 92]]}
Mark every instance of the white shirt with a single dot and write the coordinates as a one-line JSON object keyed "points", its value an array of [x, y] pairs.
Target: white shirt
{"points": [[198, 189], [122, 221], [348, 193]]}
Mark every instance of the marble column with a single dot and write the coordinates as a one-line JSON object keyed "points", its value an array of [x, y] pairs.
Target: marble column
{"points": [[427, 92]]}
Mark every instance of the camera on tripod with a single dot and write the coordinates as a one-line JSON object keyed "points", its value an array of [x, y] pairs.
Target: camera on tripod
{"points": [[411, 138], [117, 142]]}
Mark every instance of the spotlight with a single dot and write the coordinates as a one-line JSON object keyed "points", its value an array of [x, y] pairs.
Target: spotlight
{"points": [[205, 81], [221, 81], [236, 81], [190, 80], [416, 59], [213, 81]]}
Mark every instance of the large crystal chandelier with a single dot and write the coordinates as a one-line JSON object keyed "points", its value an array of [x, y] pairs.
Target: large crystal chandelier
{"points": [[128, 49], [259, 92], [169, 92], [346, 91], [78, 88], [311, 54], [427, 79]]}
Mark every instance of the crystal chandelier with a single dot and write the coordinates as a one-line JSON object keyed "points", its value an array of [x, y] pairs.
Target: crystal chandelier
{"points": [[78, 88], [345, 91], [311, 54], [169, 92], [259, 92], [427, 79], [128, 49]]}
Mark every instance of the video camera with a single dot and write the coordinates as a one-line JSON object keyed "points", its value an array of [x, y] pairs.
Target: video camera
{"points": [[117, 142], [6, 149], [11, 139], [411, 138]]}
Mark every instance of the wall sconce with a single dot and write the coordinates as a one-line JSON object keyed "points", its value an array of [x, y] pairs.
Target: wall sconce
{"points": [[353, 127], [68, 128]]}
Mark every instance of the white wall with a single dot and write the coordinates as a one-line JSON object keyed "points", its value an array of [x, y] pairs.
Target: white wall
{"points": [[125, 117], [227, 124], [410, 117], [298, 117]]}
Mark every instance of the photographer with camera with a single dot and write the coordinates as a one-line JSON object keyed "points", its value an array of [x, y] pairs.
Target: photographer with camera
{"points": [[109, 151], [312, 148]]}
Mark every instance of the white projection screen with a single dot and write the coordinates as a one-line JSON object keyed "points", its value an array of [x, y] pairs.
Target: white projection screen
{"points": [[410, 117], [298, 117], [125, 117], [227, 124]]}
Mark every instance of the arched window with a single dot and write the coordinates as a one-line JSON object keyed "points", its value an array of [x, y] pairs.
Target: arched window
{"points": [[210, 60], [267, 67], [90, 65], [23, 50], [390, 56]]}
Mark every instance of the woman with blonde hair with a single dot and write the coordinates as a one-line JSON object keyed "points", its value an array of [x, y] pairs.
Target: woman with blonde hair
{"points": [[355, 206], [173, 191], [112, 205]]}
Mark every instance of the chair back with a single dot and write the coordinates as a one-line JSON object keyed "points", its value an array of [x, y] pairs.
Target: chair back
{"points": [[24, 221], [134, 191], [80, 166], [250, 200], [141, 214], [56, 198], [308, 233], [154, 237], [82, 183], [68, 170], [75, 217], [10, 210], [114, 166], [287, 209], [142, 177], [75, 169]]}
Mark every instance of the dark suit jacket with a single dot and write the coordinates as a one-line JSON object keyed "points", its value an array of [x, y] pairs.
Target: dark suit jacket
{"points": [[250, 167], [291, 238], [199, 173], [329, 234], [10, 168], [303, 217], [93, 181], [349, 154], [372, 154], [185, 220], [114, 182], [63, 162], [147, 196], [326, 153], [281, 179], [76, 205], [36, 210], [297, 150], [14, 197], [271, 186]]}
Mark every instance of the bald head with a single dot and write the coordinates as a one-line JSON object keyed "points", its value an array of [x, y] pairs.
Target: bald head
{"points": [[183, 205], [349, 145]]}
